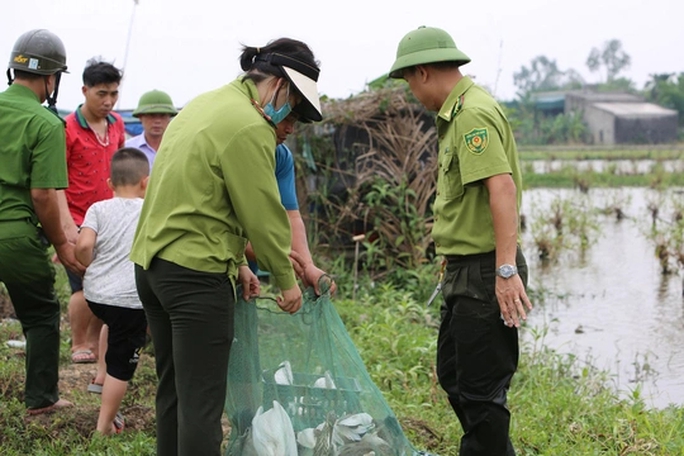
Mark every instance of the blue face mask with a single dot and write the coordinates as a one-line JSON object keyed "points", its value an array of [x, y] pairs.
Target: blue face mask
{"points": [[278, 115]]}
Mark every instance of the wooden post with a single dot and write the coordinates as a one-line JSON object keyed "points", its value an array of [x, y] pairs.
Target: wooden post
{"points": [[357, 239]]}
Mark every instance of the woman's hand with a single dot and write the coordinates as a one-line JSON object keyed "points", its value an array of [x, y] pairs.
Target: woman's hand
{"points": [[251, 287]]}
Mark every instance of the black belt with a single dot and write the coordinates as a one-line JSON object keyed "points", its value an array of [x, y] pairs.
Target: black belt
{"points": [[463, 259]]}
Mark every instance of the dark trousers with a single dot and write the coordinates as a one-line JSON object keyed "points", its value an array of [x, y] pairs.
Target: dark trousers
{"points": [[190, 315], [477, 354], [29, 277]]}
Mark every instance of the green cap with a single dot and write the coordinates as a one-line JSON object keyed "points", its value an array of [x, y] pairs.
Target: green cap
{"points": [[426, 45], [38, 51], [155, 102]]}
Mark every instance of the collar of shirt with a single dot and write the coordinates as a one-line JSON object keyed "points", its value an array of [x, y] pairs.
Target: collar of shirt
{"points": [[82, 120], [21, 91], [454, 101], [138, 141]]}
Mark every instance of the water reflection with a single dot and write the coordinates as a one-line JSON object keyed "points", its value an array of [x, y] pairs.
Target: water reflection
{"points": [[611, 305], [602, 166]]}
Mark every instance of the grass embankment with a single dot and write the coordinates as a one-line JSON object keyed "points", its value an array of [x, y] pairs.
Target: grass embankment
{"points": [[568, 176], [559, 407], [602, 153]]}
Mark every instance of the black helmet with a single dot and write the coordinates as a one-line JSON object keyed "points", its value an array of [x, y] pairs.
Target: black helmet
{"points": [[39, 52]]}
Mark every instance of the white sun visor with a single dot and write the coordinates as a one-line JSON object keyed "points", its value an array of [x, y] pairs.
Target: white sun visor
{"points": [[310, 107]]}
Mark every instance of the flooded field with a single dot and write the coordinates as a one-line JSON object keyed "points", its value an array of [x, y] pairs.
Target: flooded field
{"points": [[611, 306], [603, 166]]}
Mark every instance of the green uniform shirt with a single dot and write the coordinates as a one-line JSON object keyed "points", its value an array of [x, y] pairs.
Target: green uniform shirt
{"points": [[32, 152], [213, 187], [475, 142]]}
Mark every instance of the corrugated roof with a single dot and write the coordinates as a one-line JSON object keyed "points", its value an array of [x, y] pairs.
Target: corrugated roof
{"points": [[635, 109], [606, 96]]}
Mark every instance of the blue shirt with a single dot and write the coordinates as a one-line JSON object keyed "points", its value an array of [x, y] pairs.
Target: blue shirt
{"points": [[285, 174], [139, 143]]}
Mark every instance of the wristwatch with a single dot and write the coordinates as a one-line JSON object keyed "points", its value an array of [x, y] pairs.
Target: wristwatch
{"points": [[506, 271]]}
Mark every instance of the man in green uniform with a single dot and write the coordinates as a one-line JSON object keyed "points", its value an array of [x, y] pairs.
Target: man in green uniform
{"points": [[33, 157], [476, 228]]}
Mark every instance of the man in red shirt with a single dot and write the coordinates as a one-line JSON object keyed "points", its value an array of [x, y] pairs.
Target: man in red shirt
{"points": [[93, 134]]}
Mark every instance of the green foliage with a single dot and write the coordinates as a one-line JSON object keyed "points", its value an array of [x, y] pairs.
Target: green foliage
{"points": [[664, 227], [374, 176], [560, 404], [667, 89], [611, 58], [566, 224], [531, 127], [399, 236], [542, 75]]}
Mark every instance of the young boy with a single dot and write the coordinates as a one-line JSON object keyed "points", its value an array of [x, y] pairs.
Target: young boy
{"points": [[103, 246]]}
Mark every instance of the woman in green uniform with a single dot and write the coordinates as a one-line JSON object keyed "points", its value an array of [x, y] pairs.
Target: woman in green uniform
{"points": [[214, 187]]}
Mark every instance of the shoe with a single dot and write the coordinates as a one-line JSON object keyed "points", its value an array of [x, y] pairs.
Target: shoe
{"points": [[83, 357], [94, 388], [50, 408], [118, 423]]}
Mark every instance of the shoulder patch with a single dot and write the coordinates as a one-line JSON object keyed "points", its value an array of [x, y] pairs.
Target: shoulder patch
{"points": [[477, 140]]}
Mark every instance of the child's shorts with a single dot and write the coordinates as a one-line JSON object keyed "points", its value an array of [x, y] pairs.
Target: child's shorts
{"points": [[127, 331]]}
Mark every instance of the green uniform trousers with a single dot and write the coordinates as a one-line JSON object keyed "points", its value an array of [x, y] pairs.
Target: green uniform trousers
{"points": [[29, 277], [191, 316]]}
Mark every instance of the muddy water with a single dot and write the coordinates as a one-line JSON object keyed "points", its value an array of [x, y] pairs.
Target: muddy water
{"points": [[612, 307]]}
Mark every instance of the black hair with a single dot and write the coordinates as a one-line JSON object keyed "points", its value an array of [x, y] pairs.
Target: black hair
{"points": [[256, 60], [442, 66], [129, 167], [26, 76], [99, 72]]}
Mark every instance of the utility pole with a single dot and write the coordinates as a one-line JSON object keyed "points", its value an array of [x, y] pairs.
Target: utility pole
{"points": [[128, 42]]}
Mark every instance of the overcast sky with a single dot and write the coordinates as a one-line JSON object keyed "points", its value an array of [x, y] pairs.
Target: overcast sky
{"points": [[188, 47]]}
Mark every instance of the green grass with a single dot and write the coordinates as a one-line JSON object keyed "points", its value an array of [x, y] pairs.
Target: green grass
{"points": [[560, 405], [589, 179], [667, 152]]}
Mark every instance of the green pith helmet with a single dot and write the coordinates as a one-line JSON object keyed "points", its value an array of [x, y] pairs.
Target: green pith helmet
{"points": [[426, 45], [39, 52], [155, 102]]}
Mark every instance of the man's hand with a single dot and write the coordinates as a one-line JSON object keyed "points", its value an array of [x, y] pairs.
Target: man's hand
{"points": [[65, 253], [309, 274], [251, 288], [71, 233], [291, 300], [512, 300]]}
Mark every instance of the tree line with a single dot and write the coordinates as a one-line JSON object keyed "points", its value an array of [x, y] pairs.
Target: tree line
{"points": [[609, 61]]}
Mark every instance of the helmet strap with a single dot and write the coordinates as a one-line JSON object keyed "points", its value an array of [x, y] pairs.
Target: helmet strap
{"points": [[10, 79], [52, 99]]}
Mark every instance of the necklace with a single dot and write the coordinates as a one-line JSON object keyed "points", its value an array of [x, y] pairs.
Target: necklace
{"points": [[104, 143]]}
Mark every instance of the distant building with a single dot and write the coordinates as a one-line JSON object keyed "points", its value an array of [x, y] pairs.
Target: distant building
{"points": [[622, 118]]}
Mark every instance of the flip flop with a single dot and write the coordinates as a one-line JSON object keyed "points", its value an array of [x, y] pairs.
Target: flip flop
{"points": [[118, 423], [50, 408], [94, 388], [83, 357]]}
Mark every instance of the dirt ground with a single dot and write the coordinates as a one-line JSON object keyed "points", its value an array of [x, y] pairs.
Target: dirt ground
{"points": [[6, 309], [73, 383], [74, 380]]}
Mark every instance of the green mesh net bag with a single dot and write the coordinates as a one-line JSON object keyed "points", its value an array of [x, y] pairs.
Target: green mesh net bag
{"points": [[298, 387]]}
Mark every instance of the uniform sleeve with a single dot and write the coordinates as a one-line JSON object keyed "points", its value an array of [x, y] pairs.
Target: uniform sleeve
{"points": [[48, 158], [479, 145], [285, 175], [248, 165], [92, 217]]}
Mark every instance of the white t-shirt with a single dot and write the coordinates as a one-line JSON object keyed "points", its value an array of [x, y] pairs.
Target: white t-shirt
{"points": [[110, 278]]}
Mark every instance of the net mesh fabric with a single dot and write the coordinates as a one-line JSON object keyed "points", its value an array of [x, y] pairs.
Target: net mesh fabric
{"points": [[308, 364]]}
